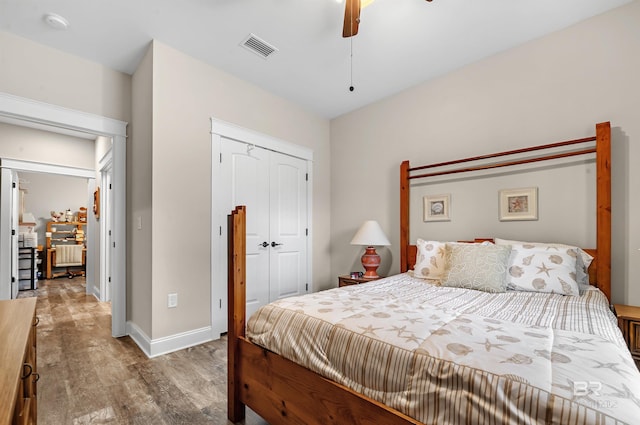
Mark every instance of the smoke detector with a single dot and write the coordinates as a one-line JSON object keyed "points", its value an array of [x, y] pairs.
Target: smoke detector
{"points": [[56, 21]]}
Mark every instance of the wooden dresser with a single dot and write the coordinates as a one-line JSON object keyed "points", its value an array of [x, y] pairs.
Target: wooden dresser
{"points": [[18, 371]]}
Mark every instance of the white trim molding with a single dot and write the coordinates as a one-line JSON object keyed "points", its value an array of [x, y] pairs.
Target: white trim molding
{"points": [[158, 347], [235, 132], [29, 110], [37, 167]]}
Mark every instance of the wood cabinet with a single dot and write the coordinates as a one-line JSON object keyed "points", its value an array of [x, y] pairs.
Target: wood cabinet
{"points": [[629, 322], [18, 363], [346, 280]]}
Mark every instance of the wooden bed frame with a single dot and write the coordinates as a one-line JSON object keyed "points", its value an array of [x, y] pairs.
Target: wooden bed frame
{"points": [[600, 269], [283, 392]]}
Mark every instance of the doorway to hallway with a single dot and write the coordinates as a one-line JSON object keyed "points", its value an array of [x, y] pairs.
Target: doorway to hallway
{"points": [[57, 119]]}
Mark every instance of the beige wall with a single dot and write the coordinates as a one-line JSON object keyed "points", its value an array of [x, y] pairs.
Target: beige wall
{"points": [[186, 94], [555, 88], [41, 73], [139, 174], [29, 144]]}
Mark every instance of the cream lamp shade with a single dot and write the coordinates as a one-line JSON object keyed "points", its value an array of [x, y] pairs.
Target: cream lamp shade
{"points": [[370, 234]]}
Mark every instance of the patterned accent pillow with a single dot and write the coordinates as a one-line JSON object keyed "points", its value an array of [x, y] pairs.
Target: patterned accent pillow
{"points": [[430, 259], [474, 266], [536, 269], [582, 261]]}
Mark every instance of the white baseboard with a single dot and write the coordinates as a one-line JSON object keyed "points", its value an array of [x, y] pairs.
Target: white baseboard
{"points": [[157, 347], [95, 292]]}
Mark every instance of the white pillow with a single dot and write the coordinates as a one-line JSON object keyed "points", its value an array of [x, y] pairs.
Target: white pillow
{"points": [[430, 259], [537, 269], [582, 261]]}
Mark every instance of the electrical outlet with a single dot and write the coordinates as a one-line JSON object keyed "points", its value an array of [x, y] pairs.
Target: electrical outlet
{"points": [[172, 301]]}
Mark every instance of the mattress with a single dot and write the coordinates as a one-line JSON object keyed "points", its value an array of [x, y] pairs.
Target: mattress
{"points": [[449, 355]]}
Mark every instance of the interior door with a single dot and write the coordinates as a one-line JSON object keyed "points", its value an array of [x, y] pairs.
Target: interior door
{"points": [[107, 216], [248, 169], [288, 226], [8, 234]]}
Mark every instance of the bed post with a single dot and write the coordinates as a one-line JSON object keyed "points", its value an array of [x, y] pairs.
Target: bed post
{"points": [[603, 217], [236, 309], [404, 216]]}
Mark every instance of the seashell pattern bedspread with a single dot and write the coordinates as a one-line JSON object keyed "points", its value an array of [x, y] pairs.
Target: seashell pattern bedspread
{"points": [[453, 356]]}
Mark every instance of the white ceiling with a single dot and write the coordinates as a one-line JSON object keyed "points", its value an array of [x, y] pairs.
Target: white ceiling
{"points": [[401, 42]]}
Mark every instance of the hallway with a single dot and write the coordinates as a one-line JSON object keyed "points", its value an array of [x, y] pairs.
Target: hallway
{"points": [[88, 377]]}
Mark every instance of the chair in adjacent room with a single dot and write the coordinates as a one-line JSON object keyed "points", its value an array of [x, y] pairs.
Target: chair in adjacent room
{"points": [[69, 256]]}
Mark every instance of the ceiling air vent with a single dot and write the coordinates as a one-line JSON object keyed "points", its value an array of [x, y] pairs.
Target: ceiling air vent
{"points": [[258, 46]]}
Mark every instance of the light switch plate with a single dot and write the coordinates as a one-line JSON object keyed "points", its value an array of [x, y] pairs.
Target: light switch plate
{"points": [[172, 301]]}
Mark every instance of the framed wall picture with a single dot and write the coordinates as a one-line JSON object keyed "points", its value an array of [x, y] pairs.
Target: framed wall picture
{"points": [[437, 207], [96, 202], [519, 204]]}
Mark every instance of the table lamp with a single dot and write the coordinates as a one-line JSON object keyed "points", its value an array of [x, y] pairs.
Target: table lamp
{"points": [[370, 234]]}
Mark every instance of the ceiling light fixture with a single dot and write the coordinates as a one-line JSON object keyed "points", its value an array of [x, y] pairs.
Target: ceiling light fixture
{"points": [[56, 21]]}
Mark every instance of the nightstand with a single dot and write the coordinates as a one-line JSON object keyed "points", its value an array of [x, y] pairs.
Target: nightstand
{"points": [[347, 280], [629, 322]]}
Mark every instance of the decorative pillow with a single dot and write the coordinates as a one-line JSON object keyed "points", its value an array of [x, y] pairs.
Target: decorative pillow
{"points": [[537, 269], [582, 261], [477, 266], [430, 259]]}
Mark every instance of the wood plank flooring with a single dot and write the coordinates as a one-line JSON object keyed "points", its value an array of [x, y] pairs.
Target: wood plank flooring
{"points": [[88, 377]]}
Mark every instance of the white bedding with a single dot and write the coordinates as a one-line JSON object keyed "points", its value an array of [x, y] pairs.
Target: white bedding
{"points": [[450, 355]]}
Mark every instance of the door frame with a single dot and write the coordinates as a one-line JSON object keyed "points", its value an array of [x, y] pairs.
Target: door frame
{"points": [[57, 119], [106, 266], [222, 129]]}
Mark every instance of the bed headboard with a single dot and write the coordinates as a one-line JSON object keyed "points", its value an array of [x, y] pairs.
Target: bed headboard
{"points": [[600, 269]]}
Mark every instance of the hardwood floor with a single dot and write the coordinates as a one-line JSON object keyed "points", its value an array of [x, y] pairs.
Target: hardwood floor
{"points": [[88, 377]]}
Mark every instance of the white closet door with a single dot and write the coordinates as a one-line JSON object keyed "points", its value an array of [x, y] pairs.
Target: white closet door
{"points": [[248, 168], [273, 187], [288, 226]]}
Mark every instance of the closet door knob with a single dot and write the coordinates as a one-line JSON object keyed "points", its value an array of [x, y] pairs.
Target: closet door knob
{"points": [[273, 244], [264, 244]]}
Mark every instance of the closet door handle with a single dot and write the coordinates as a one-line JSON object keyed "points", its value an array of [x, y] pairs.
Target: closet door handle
{"points": [[264, 244], [273, 244]]}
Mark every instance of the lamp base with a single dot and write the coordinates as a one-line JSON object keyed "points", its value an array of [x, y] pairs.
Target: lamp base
{"points": [[370, 262]]}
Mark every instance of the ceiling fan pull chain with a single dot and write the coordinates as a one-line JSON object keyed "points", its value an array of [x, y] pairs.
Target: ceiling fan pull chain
{"points": [[351, 88]]}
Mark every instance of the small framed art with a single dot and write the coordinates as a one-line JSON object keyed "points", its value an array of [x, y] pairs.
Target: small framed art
{"points": [[437, 208], [519, 204]]}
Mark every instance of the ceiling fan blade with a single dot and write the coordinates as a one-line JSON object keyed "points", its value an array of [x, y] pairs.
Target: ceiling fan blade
{"points": [[351, 18]]}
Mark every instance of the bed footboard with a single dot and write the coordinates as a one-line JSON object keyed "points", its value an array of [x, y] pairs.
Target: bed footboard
{"points": [[277, 389], [283, 392], [237, 309]]}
